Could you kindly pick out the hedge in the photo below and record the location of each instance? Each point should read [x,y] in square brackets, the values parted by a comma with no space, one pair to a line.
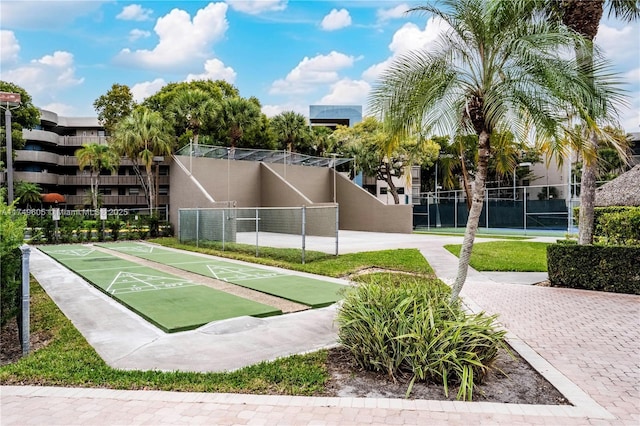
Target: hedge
[617,225]
[10,284]
[604,268]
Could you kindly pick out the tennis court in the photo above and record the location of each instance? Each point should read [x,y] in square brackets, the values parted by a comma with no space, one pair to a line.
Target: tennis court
[307,291]
[170,302]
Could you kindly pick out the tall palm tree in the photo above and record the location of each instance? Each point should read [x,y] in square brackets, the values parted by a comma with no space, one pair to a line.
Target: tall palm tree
[97,158]
[291,129]
[142,136]
[495,69]
[237,114]
[584,18]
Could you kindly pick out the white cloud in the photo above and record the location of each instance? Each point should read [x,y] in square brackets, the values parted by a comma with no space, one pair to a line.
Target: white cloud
[255,7]
[59,108]
[273,110]
[395,12]
[45,14]
[336,19]
[215,70]
[143,90]
[621,45]
[135,12]
[182,41]
[136,33]
[44,77]
[408,37]
[347,92]
[321,69]
[9,47]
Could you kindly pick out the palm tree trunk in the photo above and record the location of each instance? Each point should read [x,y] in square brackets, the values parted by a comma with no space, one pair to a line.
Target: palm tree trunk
[586,220]
[94,197]
[151,190]
[474,215]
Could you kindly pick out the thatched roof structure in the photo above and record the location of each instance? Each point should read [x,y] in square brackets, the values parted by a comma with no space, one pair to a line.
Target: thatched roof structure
[622,191]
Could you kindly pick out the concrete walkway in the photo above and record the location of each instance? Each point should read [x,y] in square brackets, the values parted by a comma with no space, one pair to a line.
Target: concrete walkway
[586,343]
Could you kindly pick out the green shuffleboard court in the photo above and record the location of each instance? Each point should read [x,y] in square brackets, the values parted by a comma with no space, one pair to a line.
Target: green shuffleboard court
[307,291]
[170,302]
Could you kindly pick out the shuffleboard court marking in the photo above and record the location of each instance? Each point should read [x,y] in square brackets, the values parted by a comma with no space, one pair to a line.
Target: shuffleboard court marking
[73,252]
[227,274]
[135,249]
[130,282]
[117,268]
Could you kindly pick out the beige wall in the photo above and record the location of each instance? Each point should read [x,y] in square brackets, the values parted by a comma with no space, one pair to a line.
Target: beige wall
[257,184]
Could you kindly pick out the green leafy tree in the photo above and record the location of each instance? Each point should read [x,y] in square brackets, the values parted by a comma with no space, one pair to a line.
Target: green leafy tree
[114,105]
[140,137]
[25,116]
[192,110]
[235,116]
[97,158]
[496,68]
[368,142]
[584,18]
[291,130]
[27,193]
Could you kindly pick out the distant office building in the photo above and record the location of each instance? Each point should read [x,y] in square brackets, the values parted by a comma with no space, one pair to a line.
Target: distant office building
[332,115]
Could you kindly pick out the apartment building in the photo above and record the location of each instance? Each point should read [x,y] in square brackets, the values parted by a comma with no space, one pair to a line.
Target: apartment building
[48,159]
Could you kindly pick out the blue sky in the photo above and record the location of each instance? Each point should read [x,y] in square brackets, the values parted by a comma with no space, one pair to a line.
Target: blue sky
[288,54]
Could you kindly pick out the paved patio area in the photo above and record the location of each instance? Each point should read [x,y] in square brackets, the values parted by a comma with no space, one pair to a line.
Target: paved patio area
[586,343]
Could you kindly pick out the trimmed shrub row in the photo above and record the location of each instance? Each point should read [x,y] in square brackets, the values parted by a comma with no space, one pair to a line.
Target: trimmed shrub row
[591,267]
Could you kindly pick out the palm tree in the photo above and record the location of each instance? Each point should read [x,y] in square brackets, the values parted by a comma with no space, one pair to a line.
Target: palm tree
[496,68]
[291,129]
[27,192]
[237,114]
[584,17]
[97,158]
[142,136]
[192,110]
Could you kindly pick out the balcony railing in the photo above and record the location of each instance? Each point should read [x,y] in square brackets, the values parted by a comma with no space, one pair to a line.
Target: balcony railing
[36,156]
[43,178]
[115,200]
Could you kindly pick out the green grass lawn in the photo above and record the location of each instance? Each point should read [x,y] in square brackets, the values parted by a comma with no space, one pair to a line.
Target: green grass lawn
[69,360]
[405,260]
[518,256]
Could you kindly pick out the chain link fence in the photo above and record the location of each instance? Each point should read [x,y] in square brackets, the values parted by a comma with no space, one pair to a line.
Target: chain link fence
[305,228]
[526,208]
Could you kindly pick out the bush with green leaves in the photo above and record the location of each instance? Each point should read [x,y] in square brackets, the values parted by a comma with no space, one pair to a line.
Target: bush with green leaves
[618,225]
[402,325]
[12,227]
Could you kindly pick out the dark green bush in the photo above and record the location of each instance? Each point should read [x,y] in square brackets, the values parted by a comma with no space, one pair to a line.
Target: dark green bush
[617,225]
[591,267]
[407,326]
[10,280]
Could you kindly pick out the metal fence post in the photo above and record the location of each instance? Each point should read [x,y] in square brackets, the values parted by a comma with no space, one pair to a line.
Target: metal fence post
[25,316]
[524,208]
[337,226]
[304,231]
[257,231]
[197,227]
[486,211]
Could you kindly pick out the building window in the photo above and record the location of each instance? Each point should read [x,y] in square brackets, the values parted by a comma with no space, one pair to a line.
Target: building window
[163,190]
[383,190]
[134,191]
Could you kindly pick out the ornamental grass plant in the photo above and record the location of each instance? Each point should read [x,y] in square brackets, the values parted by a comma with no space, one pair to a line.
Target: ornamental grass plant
[407,327]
